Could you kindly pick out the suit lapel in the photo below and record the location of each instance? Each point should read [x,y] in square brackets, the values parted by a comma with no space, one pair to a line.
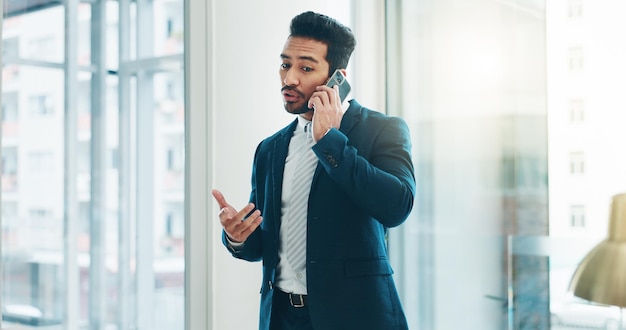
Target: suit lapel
[281,148]
[351,117]
[279,155]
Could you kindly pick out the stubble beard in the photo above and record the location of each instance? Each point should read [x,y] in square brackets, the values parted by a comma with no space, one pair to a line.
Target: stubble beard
[291,106]
[299,110]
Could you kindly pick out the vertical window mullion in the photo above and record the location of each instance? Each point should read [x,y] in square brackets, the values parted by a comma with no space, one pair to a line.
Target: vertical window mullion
[71,223]
[98,248]
[125,170]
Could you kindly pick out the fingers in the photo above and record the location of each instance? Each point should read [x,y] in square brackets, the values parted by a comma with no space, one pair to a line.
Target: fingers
[336,95]
[328,111]
[238,225]
[324,96]
[240,230]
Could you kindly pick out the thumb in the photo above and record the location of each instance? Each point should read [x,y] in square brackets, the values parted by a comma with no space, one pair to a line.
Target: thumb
[219,198]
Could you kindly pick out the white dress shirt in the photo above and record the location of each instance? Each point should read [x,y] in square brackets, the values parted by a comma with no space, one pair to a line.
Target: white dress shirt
[288,280]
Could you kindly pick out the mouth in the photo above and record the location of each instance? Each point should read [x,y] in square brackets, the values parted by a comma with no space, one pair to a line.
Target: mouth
[291,95]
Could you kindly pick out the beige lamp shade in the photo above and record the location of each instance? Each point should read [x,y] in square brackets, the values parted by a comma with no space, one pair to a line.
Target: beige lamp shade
[601,275]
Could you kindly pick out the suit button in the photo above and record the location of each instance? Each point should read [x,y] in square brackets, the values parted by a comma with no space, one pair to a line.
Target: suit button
[313,261]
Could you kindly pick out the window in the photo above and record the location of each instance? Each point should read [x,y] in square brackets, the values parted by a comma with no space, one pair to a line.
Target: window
[42,48]
[114,159]
[10,48]
[575,8]
[174,158]
[481,173]
[9,169]
[474,159]
[9,107]
[84,208]
[83,157]
[81,233]
[39,161]
[577,216]
[576,59]
[170,159]
[41,219]
[37,215]
[9,217]
[41,105]
[577,111]
[577,162]
[9,161]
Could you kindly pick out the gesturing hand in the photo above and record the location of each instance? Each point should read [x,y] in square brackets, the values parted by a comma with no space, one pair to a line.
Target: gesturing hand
[236,225]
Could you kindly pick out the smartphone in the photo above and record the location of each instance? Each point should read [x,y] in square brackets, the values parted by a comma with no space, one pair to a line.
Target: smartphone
[338,78]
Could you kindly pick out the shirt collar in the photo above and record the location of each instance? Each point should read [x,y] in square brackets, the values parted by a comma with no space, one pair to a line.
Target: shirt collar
[302,122]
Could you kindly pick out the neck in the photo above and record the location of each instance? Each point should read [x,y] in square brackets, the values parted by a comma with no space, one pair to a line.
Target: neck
[307,115]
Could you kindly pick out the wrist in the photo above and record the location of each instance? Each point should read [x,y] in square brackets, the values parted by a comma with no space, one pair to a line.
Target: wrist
[231,240]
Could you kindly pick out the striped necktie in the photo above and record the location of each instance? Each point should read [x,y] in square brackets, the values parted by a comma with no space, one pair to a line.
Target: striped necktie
[296,217]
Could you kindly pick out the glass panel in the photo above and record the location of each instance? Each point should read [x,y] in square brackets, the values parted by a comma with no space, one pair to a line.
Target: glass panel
[169,228]
[586,73]
[168,27]
[32,194]
[126,248]
[159,24]
[517,115]
[39,34]
[470,80]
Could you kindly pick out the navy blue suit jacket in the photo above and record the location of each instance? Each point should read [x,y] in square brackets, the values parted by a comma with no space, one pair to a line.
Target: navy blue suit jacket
[364,183]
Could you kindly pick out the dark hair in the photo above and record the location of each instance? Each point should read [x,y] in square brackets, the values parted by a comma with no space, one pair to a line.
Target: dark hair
[336,36]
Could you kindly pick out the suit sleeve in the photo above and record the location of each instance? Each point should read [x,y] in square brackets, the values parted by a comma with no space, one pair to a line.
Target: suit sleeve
[383,184]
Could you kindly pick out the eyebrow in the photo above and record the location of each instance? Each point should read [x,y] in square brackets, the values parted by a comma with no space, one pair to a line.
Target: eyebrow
[305,58]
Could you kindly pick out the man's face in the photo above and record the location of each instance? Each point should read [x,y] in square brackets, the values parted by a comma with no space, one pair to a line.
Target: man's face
[303,68]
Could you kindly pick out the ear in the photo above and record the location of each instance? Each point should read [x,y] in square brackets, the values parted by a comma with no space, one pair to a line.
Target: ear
[345,72]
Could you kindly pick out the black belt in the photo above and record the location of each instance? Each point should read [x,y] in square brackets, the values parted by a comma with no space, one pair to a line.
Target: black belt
[296,300]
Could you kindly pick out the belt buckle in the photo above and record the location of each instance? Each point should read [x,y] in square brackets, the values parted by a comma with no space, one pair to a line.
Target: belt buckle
[297,304]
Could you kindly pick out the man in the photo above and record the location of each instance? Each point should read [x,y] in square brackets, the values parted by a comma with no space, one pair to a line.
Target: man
[325,263]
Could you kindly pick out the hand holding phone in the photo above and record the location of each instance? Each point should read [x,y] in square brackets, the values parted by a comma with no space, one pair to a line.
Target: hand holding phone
[329,116]
[338,78]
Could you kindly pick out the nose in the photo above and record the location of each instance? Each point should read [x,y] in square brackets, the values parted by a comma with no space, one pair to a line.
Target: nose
[290,78]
